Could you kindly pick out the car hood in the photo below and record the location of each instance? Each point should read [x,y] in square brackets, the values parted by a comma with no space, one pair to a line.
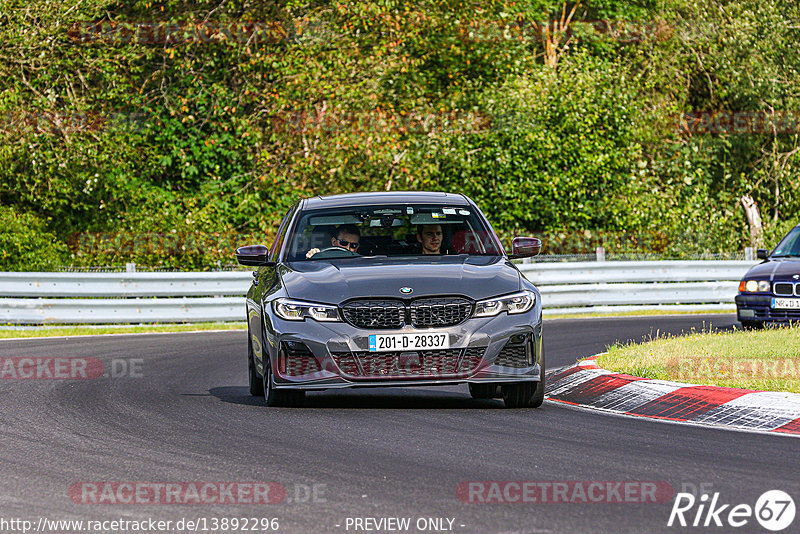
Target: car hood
[333,281]
[775,269]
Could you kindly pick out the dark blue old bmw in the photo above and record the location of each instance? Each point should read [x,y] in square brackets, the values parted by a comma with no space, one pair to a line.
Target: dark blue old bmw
[770,291]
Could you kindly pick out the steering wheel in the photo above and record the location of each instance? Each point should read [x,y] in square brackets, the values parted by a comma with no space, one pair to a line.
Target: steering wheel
[330,250]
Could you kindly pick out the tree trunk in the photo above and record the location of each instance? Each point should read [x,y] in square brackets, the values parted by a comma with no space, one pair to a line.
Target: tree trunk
[754,221]
[554,32]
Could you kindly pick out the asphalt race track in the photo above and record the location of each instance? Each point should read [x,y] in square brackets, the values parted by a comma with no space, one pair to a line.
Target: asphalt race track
[368,453]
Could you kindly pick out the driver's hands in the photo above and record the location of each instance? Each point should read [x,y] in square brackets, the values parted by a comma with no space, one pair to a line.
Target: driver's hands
[311,252]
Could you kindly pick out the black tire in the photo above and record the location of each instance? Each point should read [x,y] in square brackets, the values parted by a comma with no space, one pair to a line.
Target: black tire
[538,397]
[525,394]
[484,391]
[280,397]
[255,381]
[752,325]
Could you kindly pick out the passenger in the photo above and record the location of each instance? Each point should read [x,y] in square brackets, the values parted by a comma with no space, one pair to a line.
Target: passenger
[430,236]
[347,237]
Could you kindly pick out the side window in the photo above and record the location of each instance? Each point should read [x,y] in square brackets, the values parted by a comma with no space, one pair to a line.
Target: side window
[282,229]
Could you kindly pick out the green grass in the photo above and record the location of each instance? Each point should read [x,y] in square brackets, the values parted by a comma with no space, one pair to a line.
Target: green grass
[84,330]
[767,360]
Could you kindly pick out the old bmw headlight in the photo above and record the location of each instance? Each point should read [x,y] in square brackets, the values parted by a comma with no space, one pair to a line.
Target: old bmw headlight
[296,310]
[754,286]
[516,303]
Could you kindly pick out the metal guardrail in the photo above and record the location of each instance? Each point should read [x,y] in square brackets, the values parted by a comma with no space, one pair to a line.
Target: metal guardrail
[136,284]
[117,311]
[594,272]
[146,297]
[608,286]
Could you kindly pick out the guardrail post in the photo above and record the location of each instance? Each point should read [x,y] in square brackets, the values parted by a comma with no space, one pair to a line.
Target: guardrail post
[130,267]
[748,253]
[600,252]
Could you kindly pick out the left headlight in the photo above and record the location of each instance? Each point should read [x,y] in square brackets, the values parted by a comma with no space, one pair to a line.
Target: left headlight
[513,304]
[754,286]
[297,310]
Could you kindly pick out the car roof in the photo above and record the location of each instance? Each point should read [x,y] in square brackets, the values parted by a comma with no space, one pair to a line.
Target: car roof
[385,197]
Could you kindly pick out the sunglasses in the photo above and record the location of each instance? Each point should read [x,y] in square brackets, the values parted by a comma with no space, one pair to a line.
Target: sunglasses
[348,244]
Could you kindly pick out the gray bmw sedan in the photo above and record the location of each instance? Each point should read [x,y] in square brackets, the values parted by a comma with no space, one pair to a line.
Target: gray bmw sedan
[392,289]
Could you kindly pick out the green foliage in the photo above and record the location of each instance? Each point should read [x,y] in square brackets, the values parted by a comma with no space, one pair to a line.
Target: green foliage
[25,244]
[774,232]
[559,153]
[130,147]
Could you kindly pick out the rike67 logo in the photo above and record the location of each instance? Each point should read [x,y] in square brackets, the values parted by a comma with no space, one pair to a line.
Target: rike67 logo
[774,510]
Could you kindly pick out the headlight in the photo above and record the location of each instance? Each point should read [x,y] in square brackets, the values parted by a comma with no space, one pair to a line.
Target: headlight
[295,310]
[754,286]
[516,303]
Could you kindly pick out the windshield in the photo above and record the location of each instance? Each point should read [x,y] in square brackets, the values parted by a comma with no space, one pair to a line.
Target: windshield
[396,230]
[789,245]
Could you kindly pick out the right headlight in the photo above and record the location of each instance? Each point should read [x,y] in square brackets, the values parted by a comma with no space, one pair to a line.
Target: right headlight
[296,310]
[512,304]
[754,286]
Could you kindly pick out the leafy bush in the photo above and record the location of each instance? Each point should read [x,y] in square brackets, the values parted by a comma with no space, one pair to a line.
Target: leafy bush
[111,140]
[26,245]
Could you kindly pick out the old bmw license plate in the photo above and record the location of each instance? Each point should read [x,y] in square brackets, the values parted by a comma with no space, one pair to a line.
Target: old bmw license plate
[786,303]
[391,342]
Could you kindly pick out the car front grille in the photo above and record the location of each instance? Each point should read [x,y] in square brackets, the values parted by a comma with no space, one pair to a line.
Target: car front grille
[347,364]
[301,365]
[471,360]
[786,289]
[297,360]
[776,315]
[375,313]
[422,312]
[783,315]
[513,356]
[411,364]
[439,311]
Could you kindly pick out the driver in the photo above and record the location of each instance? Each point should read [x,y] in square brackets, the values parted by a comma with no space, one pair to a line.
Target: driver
[347,237]
[430,236]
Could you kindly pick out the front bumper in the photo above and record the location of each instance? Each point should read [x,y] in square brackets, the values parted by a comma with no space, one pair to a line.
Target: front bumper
[337,354]
[758,308]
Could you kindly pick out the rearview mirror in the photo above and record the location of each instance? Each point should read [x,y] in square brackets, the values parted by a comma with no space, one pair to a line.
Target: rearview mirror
[525,247]
[253,255]
[762,254]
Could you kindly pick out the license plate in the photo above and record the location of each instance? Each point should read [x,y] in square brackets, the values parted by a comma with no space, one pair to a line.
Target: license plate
[786,303]
[393,342]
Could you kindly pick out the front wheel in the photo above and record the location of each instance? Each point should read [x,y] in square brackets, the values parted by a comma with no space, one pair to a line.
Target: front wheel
[280,397]
[526,394]
[255,381]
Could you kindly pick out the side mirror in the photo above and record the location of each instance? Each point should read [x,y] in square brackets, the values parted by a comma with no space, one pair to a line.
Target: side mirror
[253,255]
[762,254]
[525,247]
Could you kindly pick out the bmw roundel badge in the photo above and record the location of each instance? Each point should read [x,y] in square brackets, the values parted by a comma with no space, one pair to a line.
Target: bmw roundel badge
[406,290]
